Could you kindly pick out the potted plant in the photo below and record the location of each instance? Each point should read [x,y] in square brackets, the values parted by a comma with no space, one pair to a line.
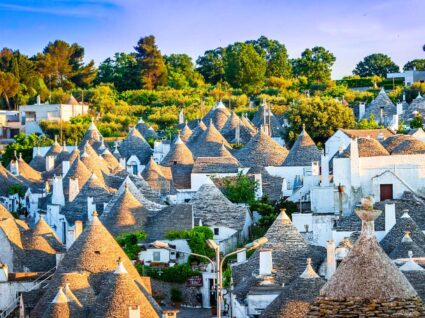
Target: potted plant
[176,297]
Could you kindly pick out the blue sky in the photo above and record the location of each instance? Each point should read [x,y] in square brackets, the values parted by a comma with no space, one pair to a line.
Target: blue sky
[350,29]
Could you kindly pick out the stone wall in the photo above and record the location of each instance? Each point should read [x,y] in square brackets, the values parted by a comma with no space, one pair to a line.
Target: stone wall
[163,290]
[325,307]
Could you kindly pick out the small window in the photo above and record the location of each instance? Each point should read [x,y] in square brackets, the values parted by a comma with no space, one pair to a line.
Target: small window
[156,256]
[216,231]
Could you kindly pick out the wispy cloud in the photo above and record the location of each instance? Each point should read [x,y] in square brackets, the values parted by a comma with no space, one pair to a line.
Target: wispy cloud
[81,8]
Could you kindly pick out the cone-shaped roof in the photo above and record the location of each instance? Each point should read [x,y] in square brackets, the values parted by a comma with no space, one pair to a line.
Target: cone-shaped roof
[208,144]
[367,272]
[7,180]
[233,123]
[263,151]
[394,237]
[218,115]
[27,172]
[71,100]
[261,118]
[93,162]
[38,162]
[42,228]
[120,294]
[197,132]
[155,175]
[126,215]
[135,144]
[185,133]
[392,142]
[303,152]
[401,251]
[382,101]
[178,154]
[54,149]
[78,170]
[295,299]
[59,307]
[92,135]
[110,160]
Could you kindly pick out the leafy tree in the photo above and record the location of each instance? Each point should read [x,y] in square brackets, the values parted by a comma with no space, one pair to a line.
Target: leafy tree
[240,189]
[181,72]
[24,144]
[61,65]
[419,64]
[315,64]
[245,68]
[276,56]
[376,64]
[321,116]
[211,65]
[129,243]
[151,64]
[368,124]
[9,87]
[121,70]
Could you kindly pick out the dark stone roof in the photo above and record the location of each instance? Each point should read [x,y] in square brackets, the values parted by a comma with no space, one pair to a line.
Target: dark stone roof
[417,280]
[417,105]
[176,218]
[382,101]
[401,251]
[181,176]
[261,118]
[218,115]
[232,124]
[271,185]
[289,253]
[179,154]
[261,150]
[135,144]
[214,209]
[303,152]
[215,165]
[38,163]
[92,136]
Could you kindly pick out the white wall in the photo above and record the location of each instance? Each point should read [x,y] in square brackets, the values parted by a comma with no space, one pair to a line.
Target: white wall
[338,139]
[199,179]
[257,303]
[6,252]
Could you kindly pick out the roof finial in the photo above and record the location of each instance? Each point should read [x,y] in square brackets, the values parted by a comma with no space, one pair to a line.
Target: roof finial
[20,156]
[303,127]
[56,139]
[368,215]
[406,237]
[120,268]
[60,297]
[309,271]
[94,214]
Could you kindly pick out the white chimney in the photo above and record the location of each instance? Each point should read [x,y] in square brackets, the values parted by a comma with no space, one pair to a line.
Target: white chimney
[241,257]
[325,171]
[73,189]
[50,163]
[78,229]
[38,100]
[394,123]
[266,262]
[57,196]
[389,216]
[14,167]
[315,168]
[399,108]
[65,167]
[181,117]
[362,110]
[330,260]
[122,162]
[91,207]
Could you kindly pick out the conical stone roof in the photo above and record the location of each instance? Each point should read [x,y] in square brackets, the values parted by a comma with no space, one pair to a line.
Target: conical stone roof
[401,251]
[197,132]
[178,154]
[218,115]
[27,172]
[303,152]
[92,135]
[261,150]
[185,133]
[126,215]
[110,160]
[135,144]
[155,176]
[77,170]
[229,130]
[382,101]
[54,150]
[59,307]
[209,143]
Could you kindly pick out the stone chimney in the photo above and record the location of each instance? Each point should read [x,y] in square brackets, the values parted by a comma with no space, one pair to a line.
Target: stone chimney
[354,162]
[73,189]
[389,216]
[38,100]
[325,171]
[50,163]
[266,261]
[368,216]
[362,110]
[78,229]
[181,117]
[169,313]
[65,167]
[330,259]
[57,196]
[14,167]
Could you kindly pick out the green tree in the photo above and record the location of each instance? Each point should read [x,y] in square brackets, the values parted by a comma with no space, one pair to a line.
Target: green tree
[130,243]
[211,65]
[61,65]
[240,189]
[151,64]
[181,71]
[9,87]
[276,57]
[419,64]
[368,124]
[121,70]
[245,68]
[375,64]
[24,144]
[315,64]
[322,116]
[416,122]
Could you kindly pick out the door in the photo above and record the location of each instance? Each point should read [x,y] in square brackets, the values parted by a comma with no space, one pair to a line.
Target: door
[386,192]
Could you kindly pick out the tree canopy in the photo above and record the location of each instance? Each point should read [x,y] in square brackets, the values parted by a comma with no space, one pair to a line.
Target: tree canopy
[376,64]
[315,64]
[419,64]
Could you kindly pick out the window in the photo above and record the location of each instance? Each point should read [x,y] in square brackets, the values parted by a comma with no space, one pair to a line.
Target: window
[156,256]
[216,231]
